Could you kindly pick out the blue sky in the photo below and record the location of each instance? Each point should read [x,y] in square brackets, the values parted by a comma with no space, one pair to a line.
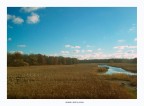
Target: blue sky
[85,33]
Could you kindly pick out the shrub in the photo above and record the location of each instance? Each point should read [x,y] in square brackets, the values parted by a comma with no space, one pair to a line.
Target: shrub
[102,69]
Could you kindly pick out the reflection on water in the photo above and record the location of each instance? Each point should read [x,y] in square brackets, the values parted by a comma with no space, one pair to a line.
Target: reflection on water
[114,70]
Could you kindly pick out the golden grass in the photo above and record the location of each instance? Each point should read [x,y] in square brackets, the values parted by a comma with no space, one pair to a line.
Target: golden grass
[61,82]
[123,77]
[127,81]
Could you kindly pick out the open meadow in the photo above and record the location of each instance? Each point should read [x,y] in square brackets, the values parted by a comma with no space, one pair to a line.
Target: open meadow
[79,81]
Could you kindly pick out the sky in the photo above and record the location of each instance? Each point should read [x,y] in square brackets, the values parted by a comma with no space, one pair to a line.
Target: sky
[81,32]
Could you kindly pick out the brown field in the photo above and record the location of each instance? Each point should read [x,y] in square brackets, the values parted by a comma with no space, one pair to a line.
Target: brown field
[80,81]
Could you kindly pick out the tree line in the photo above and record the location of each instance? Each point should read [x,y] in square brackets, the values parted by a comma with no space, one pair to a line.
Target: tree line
[134,60]
[18,59]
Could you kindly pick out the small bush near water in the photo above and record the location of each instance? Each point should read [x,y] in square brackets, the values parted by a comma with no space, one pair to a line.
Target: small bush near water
[102,69]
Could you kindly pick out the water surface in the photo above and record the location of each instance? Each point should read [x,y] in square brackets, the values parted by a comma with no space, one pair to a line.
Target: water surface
[114,70]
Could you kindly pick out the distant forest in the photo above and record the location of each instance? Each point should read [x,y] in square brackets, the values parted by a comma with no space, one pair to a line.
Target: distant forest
[17,59]
[134,60]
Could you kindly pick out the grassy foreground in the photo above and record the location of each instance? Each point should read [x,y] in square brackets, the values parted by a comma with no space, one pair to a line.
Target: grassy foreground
[79,81]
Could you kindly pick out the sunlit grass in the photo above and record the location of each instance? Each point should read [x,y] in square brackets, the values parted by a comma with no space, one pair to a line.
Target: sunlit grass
[131,78]
[62,82]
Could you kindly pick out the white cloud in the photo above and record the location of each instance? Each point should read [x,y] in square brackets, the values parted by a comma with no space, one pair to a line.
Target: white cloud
[82,51]
[65,52]
[120,47]
[132,28]
[9,17]
[76,51]
[124,47]
[135,39]
[9,39]
[88,46]
[86,51]
[73,47]
[99,49]
[124,55]
[132,47]
[120,41]
[67,46]
[131,51]
[10,26]
[22,46]
[89,51]
[15,19]
[18,20]
[77,47]
[33,19]
[119,51]
[129,54]
[100,55]
[21,52]
[92,56]
[31,9]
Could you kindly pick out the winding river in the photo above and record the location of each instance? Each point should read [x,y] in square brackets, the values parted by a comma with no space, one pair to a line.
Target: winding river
[114,70]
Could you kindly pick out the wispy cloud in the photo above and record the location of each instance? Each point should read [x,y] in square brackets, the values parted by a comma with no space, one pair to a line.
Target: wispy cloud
[18,20]
[119,51]
[9,17]
[131,51]
[132,28]
[67,46]
[86,51]
[76,51]
[128,54]
[33,19]
[120,41]
[16,51]
[83,51]
[77,47]
[135,39]
[31,9]
[89,51]
[21,46]
[15,19]
[132,47]
[99,49]
[124,47]
[10,27]
[70,46]
[9,39]
[65,52]
[124,55]
[89,46]
[120,47]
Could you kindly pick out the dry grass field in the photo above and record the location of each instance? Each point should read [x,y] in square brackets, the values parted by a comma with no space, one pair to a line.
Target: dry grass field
[79,81]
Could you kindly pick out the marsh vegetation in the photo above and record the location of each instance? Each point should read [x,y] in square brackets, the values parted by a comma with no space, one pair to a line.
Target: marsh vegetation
[78,81]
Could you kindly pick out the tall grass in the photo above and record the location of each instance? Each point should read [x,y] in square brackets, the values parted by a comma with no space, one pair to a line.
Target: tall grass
[61,82]
[123,77]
